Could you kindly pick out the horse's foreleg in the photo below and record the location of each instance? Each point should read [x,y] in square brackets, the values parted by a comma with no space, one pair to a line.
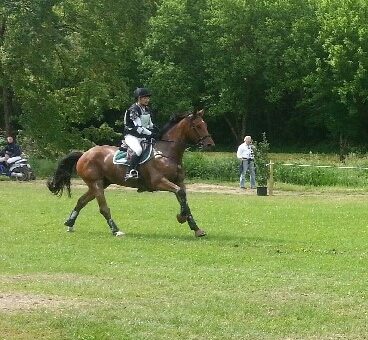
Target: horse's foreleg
[82,202]
[185,213]
[105,210]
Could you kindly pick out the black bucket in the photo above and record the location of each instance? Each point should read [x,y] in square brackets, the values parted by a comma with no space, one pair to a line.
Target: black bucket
[262,191]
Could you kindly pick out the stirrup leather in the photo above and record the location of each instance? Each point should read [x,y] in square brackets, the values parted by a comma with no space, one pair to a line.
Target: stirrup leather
[133,173]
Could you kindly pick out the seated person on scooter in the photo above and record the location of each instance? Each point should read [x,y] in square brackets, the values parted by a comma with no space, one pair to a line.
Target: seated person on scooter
[11,152]
[138,127]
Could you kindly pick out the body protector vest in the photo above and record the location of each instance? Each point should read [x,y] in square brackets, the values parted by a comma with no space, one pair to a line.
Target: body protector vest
[137,121]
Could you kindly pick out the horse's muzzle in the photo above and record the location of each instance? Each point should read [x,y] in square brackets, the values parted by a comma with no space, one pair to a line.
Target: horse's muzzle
[207,144]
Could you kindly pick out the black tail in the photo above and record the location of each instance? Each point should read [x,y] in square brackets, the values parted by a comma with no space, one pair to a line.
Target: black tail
[63,174]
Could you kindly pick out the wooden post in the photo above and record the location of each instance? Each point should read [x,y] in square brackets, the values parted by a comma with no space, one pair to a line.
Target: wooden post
[270,180]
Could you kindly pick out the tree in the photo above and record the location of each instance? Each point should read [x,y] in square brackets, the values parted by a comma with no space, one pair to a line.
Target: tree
[232,61]
[6,99]
[172,59]
[338,86]
[69,62]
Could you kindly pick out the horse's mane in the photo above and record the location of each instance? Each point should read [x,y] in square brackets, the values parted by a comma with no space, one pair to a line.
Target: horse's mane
[174,119]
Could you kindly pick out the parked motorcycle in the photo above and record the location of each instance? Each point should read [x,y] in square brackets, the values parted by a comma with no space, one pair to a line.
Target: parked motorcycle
[19,169]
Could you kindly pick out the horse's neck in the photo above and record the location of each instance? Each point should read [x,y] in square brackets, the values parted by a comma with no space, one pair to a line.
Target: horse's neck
[174,143]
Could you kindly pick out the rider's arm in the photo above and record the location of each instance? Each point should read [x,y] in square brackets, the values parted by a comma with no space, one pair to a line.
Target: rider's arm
[134,124]
[151,125]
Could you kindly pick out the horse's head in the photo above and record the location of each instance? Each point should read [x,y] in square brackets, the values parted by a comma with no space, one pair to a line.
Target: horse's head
[198,132]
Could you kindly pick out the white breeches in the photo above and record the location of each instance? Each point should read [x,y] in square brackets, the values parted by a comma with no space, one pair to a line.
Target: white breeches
[134,143]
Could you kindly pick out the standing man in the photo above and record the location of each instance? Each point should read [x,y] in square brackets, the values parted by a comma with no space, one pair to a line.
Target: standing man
[138,127]
[246,154]
[10,151]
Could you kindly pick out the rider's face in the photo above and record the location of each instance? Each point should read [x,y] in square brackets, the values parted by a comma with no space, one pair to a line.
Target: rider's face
[143,101]
[10,140]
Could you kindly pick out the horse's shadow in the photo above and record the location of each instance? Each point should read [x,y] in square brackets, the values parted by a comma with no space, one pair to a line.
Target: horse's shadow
[212,238]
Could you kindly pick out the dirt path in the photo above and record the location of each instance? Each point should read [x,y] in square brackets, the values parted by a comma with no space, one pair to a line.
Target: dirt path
[228,189]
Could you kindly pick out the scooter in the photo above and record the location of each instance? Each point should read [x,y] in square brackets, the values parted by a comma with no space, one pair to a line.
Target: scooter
[19,169]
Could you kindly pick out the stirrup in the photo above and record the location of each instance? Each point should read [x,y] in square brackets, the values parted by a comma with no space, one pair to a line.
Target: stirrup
[131,174]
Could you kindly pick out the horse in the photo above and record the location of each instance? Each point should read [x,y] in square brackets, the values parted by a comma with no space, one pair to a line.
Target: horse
[163,172]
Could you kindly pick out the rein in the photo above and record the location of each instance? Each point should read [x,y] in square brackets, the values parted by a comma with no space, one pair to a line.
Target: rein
[178,142]
[171,141]
[197,132]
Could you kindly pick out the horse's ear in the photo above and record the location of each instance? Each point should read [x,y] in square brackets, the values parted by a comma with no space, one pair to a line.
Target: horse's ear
[200,113]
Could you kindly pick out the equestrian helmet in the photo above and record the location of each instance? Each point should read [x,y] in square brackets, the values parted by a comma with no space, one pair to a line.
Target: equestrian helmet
[141,92]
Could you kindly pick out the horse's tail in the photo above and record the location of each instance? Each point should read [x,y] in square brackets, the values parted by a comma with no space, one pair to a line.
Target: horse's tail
[63,174]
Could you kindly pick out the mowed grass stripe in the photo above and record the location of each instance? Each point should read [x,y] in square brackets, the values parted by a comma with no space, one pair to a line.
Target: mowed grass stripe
[282,267]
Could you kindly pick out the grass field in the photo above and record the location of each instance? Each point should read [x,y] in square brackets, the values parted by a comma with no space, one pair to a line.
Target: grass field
[283,267]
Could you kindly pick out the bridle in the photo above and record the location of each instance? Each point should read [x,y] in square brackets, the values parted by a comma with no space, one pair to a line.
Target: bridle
[193,126]
[197,131]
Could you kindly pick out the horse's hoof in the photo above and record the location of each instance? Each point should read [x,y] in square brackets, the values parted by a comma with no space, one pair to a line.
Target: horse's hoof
[119,233]
[69,223]
[181,219]
[200,233]
[70,229]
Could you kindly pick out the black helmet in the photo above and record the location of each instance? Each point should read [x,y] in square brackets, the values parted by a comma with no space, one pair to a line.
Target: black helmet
[141,92]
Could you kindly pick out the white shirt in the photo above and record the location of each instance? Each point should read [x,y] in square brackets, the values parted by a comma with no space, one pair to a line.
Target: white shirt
[245,151]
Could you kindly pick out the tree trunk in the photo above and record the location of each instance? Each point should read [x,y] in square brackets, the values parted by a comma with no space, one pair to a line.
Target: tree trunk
[231,126]
[243,126]
[237,126]
[343,148]
[7,110]
[7,98]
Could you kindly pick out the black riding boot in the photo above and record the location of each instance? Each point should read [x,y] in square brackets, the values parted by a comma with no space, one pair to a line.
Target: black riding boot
[131,170]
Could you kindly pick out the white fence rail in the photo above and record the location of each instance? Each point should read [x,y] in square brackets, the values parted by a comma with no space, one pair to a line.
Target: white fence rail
[321,166]
[271,165]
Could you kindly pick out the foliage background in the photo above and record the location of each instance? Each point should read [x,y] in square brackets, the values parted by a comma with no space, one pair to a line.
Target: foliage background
[296,70]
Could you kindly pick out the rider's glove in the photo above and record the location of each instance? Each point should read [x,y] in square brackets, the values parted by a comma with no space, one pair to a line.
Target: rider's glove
[154,134]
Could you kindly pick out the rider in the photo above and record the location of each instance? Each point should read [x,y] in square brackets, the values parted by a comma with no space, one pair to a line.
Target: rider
[10,152]
[138,127]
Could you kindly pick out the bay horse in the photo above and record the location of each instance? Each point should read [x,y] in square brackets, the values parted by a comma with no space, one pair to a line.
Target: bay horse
[164,172]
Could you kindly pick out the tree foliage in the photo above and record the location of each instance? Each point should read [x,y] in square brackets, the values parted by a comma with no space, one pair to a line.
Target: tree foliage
[71,61]
[295,69]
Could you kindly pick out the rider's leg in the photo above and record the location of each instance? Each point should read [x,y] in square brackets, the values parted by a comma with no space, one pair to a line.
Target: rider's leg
[135,144]
[132,169]
[4,159]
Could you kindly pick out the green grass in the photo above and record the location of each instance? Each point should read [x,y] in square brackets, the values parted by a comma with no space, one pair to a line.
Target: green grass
[281,267]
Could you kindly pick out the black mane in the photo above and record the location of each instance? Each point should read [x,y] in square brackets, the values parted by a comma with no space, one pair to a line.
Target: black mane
[174,119]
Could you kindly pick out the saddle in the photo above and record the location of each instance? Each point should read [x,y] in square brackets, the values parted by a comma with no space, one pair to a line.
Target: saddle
[124,154]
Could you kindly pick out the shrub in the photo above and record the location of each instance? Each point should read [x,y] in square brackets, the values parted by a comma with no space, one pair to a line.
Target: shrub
[199,165]
[42,168]
[313,176]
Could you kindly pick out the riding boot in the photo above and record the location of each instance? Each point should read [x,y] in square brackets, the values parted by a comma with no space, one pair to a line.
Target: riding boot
[131,170]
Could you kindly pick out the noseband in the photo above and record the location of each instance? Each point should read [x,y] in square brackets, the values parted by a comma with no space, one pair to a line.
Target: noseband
[197,131]
[200,139]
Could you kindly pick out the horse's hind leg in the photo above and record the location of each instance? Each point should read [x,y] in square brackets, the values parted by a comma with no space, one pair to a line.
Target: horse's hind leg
[82,202]
[185,213]
[105,210]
